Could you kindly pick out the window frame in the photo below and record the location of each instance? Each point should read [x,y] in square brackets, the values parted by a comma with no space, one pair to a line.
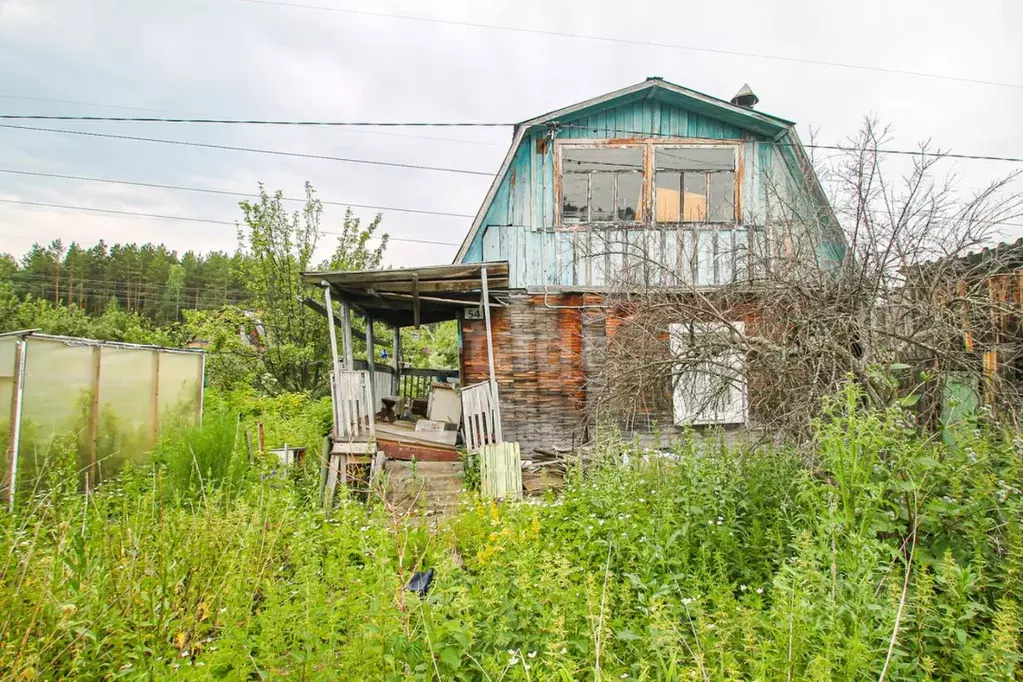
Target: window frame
[596,144]
[683,412]
[648,200]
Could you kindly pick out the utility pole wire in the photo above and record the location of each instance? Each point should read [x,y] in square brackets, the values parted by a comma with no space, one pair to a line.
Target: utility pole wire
[256,121]
[644,43]
[222,192]
[189,219]
[252,150]
[464,171]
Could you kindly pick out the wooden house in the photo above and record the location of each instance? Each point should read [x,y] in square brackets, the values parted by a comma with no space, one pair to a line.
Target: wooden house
[654,186]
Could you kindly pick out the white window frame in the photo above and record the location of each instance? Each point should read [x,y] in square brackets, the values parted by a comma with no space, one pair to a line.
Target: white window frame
[688,407]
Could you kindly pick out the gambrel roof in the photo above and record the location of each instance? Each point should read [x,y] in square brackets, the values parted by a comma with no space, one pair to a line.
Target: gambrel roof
[655,89]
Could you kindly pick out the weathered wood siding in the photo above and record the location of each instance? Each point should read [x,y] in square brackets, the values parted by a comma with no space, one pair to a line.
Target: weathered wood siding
[538,357]
[549,353]
[519,225]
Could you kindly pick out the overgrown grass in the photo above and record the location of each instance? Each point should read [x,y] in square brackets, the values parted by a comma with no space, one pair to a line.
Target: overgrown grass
[713,565]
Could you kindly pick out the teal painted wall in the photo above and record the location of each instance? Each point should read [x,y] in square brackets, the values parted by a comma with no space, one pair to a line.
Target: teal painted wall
[518,226]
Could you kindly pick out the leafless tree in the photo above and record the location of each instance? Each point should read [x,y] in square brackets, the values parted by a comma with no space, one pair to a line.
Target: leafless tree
[895,289]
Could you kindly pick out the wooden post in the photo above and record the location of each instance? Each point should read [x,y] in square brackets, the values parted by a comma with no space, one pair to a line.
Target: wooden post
[396,360]
[370,364]
[324,464]
[154,413]
[14,437]
[490,354]
[90,473]
[346,332]
[335,366]
[260,438]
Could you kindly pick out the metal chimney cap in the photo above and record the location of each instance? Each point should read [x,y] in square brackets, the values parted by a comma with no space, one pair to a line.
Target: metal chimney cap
[745,97]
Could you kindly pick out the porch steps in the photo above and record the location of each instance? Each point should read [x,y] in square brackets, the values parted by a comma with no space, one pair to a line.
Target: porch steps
[433,487]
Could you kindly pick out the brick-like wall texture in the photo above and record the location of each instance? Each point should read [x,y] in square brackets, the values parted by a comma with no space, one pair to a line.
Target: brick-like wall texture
[538,358]
[547,355]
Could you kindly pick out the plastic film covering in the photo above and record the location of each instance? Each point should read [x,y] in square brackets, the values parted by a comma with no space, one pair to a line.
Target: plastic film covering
[95,407]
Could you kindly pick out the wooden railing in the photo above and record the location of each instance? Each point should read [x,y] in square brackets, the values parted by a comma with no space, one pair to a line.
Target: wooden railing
[353,411]
[479,416]
[415,382]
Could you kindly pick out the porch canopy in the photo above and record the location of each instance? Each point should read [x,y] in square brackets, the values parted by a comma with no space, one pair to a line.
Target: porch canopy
[412,296]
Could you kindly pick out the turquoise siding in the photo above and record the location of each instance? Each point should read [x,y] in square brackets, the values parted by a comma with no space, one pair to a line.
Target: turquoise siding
[518,225]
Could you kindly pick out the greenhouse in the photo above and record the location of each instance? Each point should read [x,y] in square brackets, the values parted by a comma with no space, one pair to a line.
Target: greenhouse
[108,402]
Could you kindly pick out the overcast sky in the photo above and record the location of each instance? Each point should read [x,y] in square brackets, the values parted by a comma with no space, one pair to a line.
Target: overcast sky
[242,59]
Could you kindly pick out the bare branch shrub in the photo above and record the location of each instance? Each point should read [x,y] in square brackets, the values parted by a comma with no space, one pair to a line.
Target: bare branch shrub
[892,290]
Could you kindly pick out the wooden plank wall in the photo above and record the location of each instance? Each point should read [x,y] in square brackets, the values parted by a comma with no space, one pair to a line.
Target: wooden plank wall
[548,358]
[538,360]
[519,225]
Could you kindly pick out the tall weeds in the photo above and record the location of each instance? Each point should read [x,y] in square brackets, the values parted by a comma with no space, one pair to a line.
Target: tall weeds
[887,553]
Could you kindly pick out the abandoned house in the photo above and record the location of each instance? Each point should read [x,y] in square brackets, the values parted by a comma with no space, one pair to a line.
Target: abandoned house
[654,186]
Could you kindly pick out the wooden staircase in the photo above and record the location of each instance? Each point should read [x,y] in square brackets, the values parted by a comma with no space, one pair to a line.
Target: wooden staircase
[431,487]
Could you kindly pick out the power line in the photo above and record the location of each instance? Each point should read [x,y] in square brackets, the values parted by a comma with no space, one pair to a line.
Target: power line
[357,127]
[834,147]
[904,152]
[123,281]
[221,192]
[209,221]
[91,104]
[262,122]
[631,41]
[253,150]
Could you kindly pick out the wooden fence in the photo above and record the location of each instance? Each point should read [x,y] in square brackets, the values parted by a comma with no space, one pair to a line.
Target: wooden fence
[479,416]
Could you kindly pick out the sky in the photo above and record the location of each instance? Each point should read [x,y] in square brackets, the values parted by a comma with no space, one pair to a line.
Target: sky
[381,61]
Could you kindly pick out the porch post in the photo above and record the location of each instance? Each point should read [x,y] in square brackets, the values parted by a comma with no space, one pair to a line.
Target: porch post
[396,359]
[330,325]
[371,362]
[490,355]
[346,333]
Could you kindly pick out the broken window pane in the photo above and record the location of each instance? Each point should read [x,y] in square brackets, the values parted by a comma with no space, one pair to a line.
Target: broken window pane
[721,198]
[602,193]
[668,197]
[694,158]
[630,194]
[694,197]
[601,184]
[584,159]
[573,198]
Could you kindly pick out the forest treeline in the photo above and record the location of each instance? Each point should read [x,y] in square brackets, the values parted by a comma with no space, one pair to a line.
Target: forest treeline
[153,295]
[148,279]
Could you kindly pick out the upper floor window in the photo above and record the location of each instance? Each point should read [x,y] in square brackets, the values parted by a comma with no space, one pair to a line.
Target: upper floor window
[601,184]
[608,183]
[694,184]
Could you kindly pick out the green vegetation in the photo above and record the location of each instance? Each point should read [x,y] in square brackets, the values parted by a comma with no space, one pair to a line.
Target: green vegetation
[711,564]
[245,307]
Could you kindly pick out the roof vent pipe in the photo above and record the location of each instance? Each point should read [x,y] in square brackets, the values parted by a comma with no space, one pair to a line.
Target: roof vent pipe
[745,97]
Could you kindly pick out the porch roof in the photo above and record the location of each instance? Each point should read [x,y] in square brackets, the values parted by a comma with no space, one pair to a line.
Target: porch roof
[406,296]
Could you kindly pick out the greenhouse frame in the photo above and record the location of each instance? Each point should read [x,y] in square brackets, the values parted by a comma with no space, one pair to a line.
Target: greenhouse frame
[94,404]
